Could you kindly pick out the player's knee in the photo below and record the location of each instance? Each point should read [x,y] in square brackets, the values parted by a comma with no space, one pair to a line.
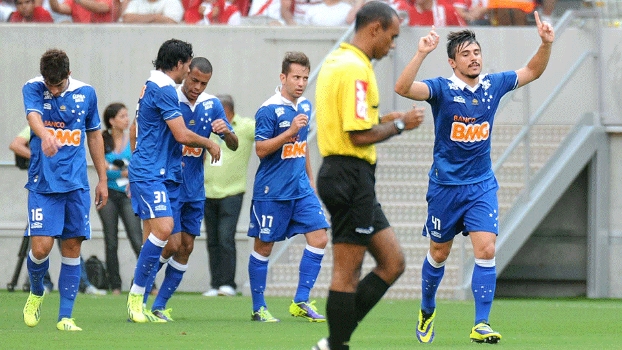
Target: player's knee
[39,253]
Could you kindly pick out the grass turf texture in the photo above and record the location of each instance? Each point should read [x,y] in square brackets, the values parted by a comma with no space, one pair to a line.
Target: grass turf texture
[224,323]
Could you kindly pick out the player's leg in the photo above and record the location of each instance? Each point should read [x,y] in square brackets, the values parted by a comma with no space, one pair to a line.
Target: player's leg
[45,221]
[481,221]
[68,281]
[258,274]
[386,250]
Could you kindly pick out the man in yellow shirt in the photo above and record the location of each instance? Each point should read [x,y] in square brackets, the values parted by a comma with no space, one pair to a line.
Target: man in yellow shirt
[349,126]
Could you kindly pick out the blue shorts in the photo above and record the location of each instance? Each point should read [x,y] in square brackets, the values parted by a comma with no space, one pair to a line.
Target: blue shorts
[155,199]
[64,215]
[274,221]
[460,209]
[190,217]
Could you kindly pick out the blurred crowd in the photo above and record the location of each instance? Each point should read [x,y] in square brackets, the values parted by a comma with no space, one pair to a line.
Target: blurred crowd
[439,13]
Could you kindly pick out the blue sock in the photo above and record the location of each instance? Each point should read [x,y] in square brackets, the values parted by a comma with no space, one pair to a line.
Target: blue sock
[68,283]
[310,265]
[36,271]
[431,276]
[257,273]
[152,277]
[483,284]
[172,279]
[146,262]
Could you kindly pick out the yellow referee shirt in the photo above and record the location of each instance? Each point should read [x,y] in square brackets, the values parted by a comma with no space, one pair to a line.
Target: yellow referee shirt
[346,99]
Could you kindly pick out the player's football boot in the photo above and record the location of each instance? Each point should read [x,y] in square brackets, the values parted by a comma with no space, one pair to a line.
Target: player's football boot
[321,345]
[482,333]
[135,308]
[306,310]
[163,314]
[263,315]
[67,324]
[32,309]
[425,327]
[151,317]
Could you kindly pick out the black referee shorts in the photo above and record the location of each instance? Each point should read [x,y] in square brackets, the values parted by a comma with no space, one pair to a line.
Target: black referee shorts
[346,185]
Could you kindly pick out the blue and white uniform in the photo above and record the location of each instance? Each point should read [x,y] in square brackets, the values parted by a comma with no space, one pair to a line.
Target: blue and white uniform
[284,203]
[155,167]
[462,193]
[198,118]
[58,200]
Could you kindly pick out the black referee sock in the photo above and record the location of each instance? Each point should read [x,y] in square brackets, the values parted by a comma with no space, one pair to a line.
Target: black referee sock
[368,293]
[341,318]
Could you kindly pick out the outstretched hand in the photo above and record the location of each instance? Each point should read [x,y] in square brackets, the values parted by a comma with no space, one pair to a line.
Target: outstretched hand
[429,42]
[545,30]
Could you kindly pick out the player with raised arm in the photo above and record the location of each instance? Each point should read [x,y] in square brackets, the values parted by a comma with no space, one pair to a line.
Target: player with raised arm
[155,167]
[462,192]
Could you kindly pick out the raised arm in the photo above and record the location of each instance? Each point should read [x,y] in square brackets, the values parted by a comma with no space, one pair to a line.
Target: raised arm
[266,147]
[60,8]
[94,5]
[406,85]
[536,66]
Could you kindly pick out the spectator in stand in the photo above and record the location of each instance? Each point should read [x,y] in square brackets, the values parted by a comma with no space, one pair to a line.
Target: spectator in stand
[440,13]
[192,15]
[7,7]
[473,12]
[510,12]
[88,11]
[57,17]
[220,12]
[117,152]
[548,6]
[153,11]
[289,12]
[332,13]
[27,11]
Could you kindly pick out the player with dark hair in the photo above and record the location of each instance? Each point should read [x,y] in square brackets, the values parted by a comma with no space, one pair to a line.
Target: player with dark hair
[61,112]
[462,192]
[155,166]
[204,115]
[349,126]
[284,203]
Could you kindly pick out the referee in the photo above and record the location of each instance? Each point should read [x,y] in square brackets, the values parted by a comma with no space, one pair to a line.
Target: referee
[349,126]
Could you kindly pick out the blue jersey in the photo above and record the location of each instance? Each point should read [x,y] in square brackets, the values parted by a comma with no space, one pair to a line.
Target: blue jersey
[463,120]
[68,117]
[198,118]
[282,175]
[157,155]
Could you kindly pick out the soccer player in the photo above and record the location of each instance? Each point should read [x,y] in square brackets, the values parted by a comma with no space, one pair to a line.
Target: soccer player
[203,114]
[284,202]
[155,167]
[462,192]
[349,126]
[61,112]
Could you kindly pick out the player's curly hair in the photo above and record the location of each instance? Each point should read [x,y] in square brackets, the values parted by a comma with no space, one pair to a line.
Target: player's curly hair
[458,40]
[292,57]
[171,52]
[54,66]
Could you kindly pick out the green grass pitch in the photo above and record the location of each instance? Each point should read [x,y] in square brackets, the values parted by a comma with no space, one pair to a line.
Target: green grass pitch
[224,323]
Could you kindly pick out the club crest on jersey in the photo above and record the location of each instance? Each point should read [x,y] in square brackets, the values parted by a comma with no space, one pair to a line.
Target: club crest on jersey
[459,99]
[360,99]
[208,104]
[47,95]
[485,84]
[279,111]
[77,98]
[294,150]
[192,122]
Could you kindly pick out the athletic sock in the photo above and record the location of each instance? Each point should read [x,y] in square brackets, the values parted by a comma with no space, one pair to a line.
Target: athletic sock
[36,272]
[152,276]
[341,318]
[172,279]
[257,273]
[68,284]
[309,269]
[431,276]
[369,291]
[483,284]
[146,262]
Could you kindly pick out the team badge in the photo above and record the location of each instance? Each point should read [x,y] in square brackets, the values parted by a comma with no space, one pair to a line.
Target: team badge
[63,108]
[475,102]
